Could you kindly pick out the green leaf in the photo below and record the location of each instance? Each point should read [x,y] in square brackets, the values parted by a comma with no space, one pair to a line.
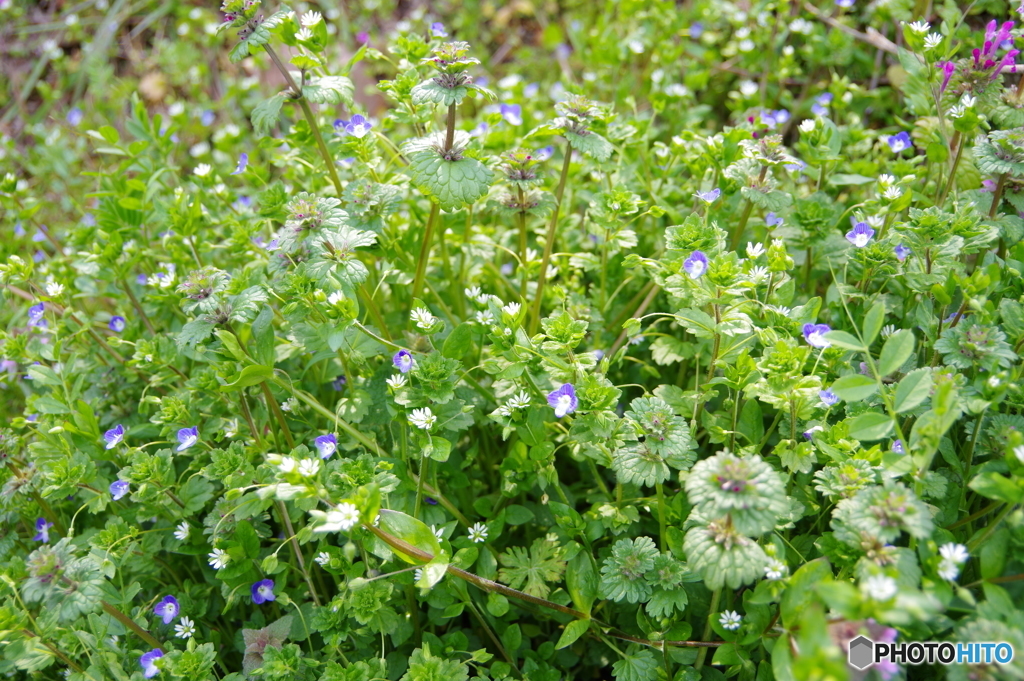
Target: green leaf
[329,90]
[430,92]
[855,387]
[800,591]
[411,531]
[870,426]
[844,179]
[572,632]
[640,666]
[50,405]
[543,563]
[245,304]
[260,35]
[263,335]
[195,331]
[250,375]
[581,581]
[459,342]
[590,144]
[44,374]
[726,655]
[844,340]
[913,389]
[266,113]
[230,343]
[438,448]
[452,184]
[897,350]
[873,321]
[425,667]
[992,485]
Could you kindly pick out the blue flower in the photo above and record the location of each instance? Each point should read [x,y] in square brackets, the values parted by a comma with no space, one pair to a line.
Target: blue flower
[828,398]
[339,383]
[814,334]
[36,315]
[42,530]
[563,400]
[795,167]
[167,609]
[74,117]
[437,30]
[544,153]
[207,118]
[18,229]
[141,280]
[480,130]
[326,445]
[529,91]
[114,436]
[118,489]
[696,264]
[820,106]
[860,235]
[809,433]
[357,127]
[187,437]
[897,447]
[512,113]
[403,361]
[772,220]
[696,30]
[507,269]
[243,161]
[709,196]
[901,252]
[845,4]
[148,663]
[263,591]
[899,142]
[117,324]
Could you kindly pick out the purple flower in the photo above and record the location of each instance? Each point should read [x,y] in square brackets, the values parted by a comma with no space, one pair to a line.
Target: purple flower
[362,37]
[772,220]
[710,196]
[544,153]
[339,383]
[507,269]
[899,142]
[512,113]
[243,161]
[809,433]
[860,235]
[263,591]
[530,90]
[18,229]
[696,30]
[696,265]
[901,252]
[167,609]
[988,186]
[148,663]
[274,245]
[326,445]
[820,106]
[36,315]
[74,117]
[114,436]
[42,530]
[141,280]
[814,334]
[402,361]
[437,30]
[117,324]
[118,489]
[948,69]
[187,437]
[563,400]
[480,130]
[828,398]
[795,167]
[207,118]
[845,4]
[40,234]
[897,446]
[357,127]
[431,500]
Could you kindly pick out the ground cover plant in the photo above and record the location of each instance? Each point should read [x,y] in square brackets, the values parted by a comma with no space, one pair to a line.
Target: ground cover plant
[634,340]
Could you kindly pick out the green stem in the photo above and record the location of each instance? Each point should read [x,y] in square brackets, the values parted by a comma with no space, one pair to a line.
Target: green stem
[997,197]
[661,511]
[715,596]
[549,243]
[278,414]
[952,172]
[421,262]
[419,485]
[324,411]
[131,624]
[294,543]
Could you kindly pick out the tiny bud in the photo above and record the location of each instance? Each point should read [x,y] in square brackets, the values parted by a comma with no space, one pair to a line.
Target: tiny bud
[357,583]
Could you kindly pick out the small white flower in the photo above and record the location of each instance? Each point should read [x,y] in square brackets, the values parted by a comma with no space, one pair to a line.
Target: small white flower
[994,382]
[879,588]
[957,111]
[423,419]
[875,221]
[519,401]
[758,274]
[287,464]
[932,40]
[472,293]
[888,330]
[424,320]
[506,332]
[512,309]
[185,628]
[478,533]
[335,297]
[53,289]
[417,574]
[808,125]
[956,553]
[202,170]
[886,180]
[438,532]
[231,429]
[920,27]
[181,531]
[322,558]
[484,317]
[397,381]
[290,404]
[309,467]
[801,26]
[754,250]
[303,35]
[748,88]
[219,559]
[311,19]
[968,101]
[892,193]
[345,516]
[948,570]
[731,620]
[775,569]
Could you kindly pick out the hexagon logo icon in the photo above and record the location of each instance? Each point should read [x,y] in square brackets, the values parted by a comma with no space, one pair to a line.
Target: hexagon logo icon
[862,652]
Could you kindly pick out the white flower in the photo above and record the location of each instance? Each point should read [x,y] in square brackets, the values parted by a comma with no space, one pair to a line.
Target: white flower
[219,559]
[417,574]
[755,250]
[185,628]
[808,125]
[758,274]
[932,40]
[290,404]
[478,533]
[956,553]
[309,467]
[53,289]
[181,531]
[957,111]
[335,297]
[322,558]
[968,101]
[948,570]
[885,180]
[512,309]
[423,318]
[920,27]
[303,35]
[994,382]
[731,620]
[311,19]
[344,517]
[879,587]
[397,381]
[472,293]
[875,221]
[484,317]
[801,26]
[423,419]
[202,170]
[892,193]
[231,429]
[1019,453]
[438,532]
[519,401]
[775,569]
[287,464]
[748,88]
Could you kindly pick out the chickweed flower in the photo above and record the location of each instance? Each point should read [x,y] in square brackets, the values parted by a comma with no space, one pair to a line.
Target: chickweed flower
[219,559]
[814,334]
[920,27]
[202,170]
[731,620]
[114,436]
[342,517]
[755,250]
[322,558]
[328,444]
[263,591]
[948,570]
[186,628]
[886,180]
[422,317]
[512,309]
[563,400]
[53,289]
[932,40]
[187,437]
[423,419]
[118,489]
[879,588]
[181,531]
[892,193]
[957,553]
[775,569]
[397,381]
[167,609]
[308,468]
[311,19]
[478,533]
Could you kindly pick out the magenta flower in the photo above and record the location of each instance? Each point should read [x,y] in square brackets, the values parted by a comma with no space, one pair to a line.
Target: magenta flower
[948,69]
[167,609]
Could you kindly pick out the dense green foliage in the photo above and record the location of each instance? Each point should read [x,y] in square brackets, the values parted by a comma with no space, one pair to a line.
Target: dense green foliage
[638,340]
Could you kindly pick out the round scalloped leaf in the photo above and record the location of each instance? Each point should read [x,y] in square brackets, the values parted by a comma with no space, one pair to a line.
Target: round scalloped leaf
[329,90]
[429,91]
[453,184]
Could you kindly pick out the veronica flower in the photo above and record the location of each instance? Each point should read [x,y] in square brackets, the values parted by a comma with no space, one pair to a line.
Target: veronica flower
[42,530]
[821,102]
[148,663]
[772,220]
[814,334]
[114,436]
[36,315]
[243,161]
[117,324]
[512,113]
[809,433]
[709,196]
[118,489]
[403,361]
[263,591]
[207,118]
[358,127]
[897,447]
[339,383]
[696,265]
[828,398]
[187,437]
[731,620]
[437,30]
[544,153]
[899,142]
[326,445]
[167,609]
[845,4]
[74,117]
[563,400]
[141,279]
[860,235]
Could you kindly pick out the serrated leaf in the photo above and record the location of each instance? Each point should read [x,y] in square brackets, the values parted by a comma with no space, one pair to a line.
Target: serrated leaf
[452,184]
[430,92]
[870,426]
[590,144]
[195,331]
[246,304]
[897,350]
[640,666]
[266,113]
[913,390]
[855,387]
[329,90]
